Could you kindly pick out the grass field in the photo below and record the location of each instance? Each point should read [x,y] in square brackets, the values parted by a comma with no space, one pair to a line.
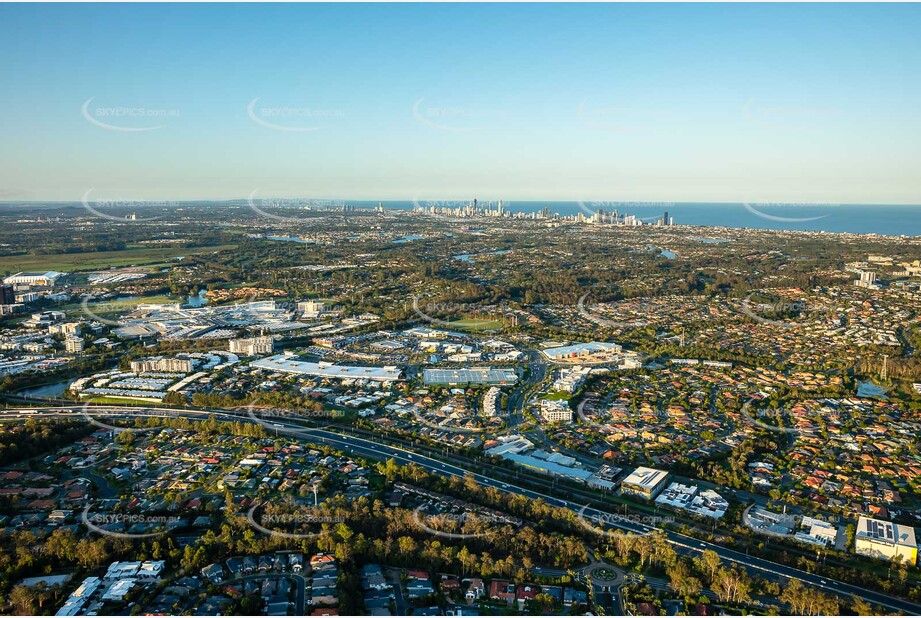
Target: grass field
[118,306]
[113,399]
[557,396]
[70,262]
[474,324]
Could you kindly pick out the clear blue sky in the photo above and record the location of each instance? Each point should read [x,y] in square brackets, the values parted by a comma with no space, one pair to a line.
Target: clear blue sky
[780,102]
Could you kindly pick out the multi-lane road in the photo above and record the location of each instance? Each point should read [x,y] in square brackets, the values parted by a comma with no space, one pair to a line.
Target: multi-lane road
[599,519]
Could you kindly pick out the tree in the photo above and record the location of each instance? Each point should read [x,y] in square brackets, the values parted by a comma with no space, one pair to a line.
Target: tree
[732,585]
[861,607]
[682,579]
[708,563]
[24,600]
[808,602]
[543,602]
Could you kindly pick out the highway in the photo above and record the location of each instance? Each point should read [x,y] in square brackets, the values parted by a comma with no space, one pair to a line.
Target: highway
[374,450]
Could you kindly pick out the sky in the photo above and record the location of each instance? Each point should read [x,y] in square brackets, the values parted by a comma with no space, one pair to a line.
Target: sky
[794,103]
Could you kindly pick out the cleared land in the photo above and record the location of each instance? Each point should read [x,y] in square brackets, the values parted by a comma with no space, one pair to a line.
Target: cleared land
[69,262]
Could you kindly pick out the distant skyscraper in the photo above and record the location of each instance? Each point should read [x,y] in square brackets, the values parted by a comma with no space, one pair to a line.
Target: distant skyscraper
[665,218]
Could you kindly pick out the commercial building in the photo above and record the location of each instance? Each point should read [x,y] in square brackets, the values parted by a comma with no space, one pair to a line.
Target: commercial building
[252,346]
[885,540]
[596,351]
[288,364]
[65,328]
[554,464]
[472,376]
[689,498]
[554,411]
[571,378]
[310,308]
[644,482]
[867,279]
[47,279]
[816,532]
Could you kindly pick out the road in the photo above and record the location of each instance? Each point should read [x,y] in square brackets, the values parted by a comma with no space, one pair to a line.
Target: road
[518,399]
[374,450]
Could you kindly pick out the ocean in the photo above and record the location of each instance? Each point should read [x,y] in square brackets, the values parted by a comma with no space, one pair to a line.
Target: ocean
[889,220]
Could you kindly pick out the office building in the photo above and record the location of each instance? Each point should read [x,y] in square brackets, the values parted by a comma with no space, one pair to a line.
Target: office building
[310,308]
[645,482]
[73,345]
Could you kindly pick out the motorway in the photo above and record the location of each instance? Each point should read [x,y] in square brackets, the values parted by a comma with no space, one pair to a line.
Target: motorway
[374,450]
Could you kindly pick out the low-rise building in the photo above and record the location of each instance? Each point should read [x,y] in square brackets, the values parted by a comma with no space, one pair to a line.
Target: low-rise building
[885,540]
[555,411]
[645,482]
